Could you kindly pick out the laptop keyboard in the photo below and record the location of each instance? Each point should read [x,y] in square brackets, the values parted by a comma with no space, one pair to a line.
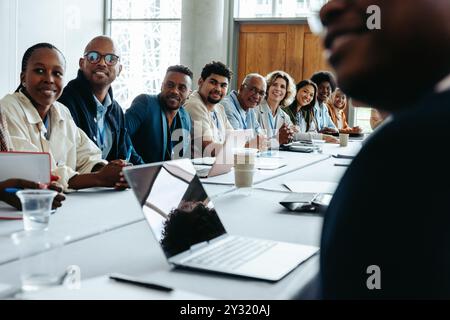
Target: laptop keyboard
[232,254]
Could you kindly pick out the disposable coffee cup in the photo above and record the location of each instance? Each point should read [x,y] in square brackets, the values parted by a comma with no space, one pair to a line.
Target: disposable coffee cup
[243,178]
[244,167]
[245,158]
[343,139]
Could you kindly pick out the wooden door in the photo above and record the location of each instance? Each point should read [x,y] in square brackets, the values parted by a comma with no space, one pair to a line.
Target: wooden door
[267,47]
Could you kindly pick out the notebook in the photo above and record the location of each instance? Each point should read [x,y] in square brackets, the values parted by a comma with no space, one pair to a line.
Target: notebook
[33,166]
[186,225]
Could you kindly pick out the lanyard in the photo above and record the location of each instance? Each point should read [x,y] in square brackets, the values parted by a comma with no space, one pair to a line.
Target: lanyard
[272,121]
[236,105]
[101,133]
[216,119]
[47,126]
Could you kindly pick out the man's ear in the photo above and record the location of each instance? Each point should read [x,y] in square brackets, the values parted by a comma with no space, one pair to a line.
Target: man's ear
[120,70]
[80,63]
[22,79]
[200,81]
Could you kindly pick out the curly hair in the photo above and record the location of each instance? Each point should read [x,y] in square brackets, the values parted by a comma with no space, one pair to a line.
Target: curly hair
[322,76]
[290,86]
[185,228]
[218,68]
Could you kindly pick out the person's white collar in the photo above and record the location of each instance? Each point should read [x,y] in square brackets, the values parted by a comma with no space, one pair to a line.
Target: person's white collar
[443,85]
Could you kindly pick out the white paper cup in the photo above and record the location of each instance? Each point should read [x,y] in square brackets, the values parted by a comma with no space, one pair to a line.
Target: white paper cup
[343,139]
[245,158]
[243,178]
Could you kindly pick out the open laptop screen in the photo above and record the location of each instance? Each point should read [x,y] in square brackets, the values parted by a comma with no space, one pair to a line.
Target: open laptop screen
[175,204]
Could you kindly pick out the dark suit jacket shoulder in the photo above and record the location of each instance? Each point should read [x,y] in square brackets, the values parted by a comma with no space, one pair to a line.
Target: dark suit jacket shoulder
[392,210]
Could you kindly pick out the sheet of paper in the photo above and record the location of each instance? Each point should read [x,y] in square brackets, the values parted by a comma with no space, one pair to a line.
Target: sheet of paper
[269,163]
[103,288]
[311,186]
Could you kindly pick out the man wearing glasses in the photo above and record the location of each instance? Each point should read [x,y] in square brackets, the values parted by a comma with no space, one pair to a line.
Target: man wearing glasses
[90,100]
[239,105]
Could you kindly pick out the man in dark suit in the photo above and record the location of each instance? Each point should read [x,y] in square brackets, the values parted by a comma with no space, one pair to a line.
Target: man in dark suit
[386,233]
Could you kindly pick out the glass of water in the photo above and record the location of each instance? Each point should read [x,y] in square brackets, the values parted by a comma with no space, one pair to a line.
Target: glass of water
[36,208]
[39,258]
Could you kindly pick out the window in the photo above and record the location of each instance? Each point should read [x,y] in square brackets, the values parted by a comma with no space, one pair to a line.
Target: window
[148,34]
[362,118]
[275,8]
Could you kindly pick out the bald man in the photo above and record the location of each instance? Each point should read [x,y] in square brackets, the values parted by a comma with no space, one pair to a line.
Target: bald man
[90,100]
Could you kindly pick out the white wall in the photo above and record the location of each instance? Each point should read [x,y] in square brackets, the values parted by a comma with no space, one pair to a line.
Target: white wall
[67,24]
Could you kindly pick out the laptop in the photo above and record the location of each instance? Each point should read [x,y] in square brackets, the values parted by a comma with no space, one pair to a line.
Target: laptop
[223,162]
[186,225]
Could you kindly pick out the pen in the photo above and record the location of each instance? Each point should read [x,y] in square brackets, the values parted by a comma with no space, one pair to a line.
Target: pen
[342,156]
[341,165]
[11,190]
[137,282]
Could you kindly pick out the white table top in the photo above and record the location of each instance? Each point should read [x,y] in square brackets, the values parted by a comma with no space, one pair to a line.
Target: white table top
[109,234]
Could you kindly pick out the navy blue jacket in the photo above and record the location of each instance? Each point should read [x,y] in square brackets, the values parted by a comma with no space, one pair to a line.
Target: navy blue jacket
[392,210]
[147,125]
[78,97]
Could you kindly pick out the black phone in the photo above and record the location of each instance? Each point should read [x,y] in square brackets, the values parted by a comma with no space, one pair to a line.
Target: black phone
[307,202]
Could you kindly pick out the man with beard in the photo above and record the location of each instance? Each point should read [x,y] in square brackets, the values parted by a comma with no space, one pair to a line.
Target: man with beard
[208,115]
[395,245]
[158,125]
[90,100]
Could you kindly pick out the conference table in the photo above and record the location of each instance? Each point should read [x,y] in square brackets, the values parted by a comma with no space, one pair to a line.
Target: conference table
[105,232]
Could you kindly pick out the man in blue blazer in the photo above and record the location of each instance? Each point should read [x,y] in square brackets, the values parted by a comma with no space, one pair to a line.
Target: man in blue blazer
[386,233]
[158,124]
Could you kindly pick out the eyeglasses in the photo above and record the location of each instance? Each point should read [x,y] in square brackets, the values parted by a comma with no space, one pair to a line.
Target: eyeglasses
[255,90]
[95,57]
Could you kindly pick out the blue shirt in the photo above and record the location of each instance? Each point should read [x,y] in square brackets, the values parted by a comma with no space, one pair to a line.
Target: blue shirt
[323,117]
[238,117]
[104,133]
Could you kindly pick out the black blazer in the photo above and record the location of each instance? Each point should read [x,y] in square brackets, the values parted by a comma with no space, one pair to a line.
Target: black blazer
[78,98]
[392,210]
